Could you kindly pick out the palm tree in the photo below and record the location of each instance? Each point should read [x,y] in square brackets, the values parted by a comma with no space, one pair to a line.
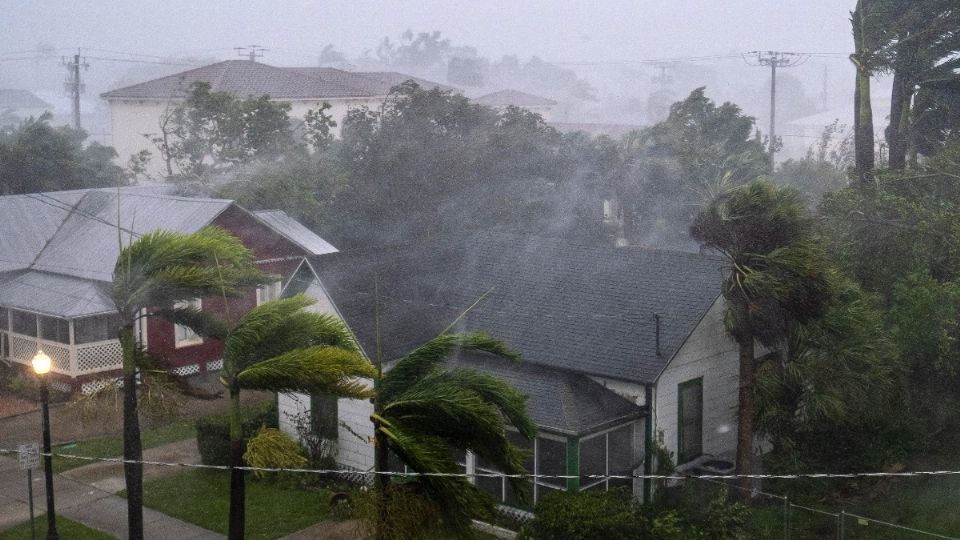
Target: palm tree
[778,274]
[156,272]
[424,413]
[279,347]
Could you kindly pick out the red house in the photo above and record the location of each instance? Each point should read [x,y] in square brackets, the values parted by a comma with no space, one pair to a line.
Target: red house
[57,254]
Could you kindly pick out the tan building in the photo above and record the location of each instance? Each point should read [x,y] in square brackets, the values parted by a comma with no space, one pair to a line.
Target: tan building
[136,111]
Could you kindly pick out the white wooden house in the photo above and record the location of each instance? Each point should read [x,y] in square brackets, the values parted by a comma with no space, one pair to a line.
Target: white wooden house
[621,346]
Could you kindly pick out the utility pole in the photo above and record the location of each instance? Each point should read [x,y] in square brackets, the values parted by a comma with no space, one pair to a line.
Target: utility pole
[774,59]
[252,52]
[74,86]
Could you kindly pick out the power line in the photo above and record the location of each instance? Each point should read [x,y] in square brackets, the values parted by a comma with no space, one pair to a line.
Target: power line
[774,59]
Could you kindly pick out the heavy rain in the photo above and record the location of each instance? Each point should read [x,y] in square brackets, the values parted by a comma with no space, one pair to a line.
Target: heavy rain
[462,269]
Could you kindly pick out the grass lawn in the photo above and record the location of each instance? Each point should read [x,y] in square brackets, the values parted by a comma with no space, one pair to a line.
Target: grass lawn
[69,530]
[201,497]
[113,446]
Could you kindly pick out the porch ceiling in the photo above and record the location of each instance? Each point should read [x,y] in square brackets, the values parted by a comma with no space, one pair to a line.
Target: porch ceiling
[56,295]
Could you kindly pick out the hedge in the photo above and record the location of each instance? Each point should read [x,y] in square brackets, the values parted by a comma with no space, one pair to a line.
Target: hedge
[213,432]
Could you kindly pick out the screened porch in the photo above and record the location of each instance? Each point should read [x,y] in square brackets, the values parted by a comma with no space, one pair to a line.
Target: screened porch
[78,346]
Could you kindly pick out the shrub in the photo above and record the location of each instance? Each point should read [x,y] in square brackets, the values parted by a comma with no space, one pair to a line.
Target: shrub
[273,449]
[612,515]
[213,432]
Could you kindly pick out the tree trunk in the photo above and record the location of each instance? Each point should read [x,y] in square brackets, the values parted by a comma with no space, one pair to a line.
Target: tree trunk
[235,530]
[381,463]
[745,416]
[863,113]
[899,121]
[132,447]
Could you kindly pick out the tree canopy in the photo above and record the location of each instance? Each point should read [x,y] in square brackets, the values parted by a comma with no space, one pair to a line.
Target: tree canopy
[35,157]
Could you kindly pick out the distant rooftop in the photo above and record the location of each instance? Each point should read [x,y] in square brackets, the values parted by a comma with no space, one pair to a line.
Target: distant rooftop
[505,98]
[244,78]
[21,99]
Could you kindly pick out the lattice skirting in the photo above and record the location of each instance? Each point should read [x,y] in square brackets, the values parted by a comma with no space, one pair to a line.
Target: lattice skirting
[190,369]
[90,387]
[100,356]
[215,365]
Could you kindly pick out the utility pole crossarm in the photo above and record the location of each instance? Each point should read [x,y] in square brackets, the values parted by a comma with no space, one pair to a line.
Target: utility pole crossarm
[774,59]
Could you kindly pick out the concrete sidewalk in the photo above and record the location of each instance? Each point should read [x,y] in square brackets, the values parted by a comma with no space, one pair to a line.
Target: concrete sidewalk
[84,503]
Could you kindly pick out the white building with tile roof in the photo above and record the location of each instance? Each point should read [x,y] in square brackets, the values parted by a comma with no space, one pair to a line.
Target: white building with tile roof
[136,111]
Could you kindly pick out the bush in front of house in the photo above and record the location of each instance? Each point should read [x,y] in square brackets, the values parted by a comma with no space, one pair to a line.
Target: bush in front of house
[213,432]
[617,515]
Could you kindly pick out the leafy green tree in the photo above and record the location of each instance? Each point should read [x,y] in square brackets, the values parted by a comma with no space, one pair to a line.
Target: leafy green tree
[830,395]
[677,165]
[280,347]
[778,274]
[424,413]
[434,161]
[156,272]
[921,51]
[213,131]
[35,157]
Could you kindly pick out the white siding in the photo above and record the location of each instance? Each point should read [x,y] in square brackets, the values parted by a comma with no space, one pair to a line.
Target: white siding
[710,353]
[289,406]
[133,122]
[632,391]
[353,451]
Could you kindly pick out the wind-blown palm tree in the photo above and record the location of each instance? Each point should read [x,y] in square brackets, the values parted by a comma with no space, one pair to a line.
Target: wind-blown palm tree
[778,274]
[156,272]
[424,413]
[279,347]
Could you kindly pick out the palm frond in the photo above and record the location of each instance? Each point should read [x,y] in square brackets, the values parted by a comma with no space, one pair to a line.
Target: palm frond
[204,323]
[457,501]
[163,267]
[320,369]
[280,325]
[432,354]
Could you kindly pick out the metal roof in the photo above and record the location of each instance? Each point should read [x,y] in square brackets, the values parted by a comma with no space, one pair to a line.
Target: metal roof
[294,231]
[86,244]
[56,295]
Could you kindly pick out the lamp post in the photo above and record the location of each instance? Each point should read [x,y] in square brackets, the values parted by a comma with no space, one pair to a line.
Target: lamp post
[41,366]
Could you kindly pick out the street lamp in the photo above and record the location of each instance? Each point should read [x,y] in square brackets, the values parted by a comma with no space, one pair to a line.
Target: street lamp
[41,366]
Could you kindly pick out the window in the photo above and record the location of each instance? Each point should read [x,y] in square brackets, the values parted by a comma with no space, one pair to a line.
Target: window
[690,420]
[270,291]
[609,453]
[184,336]
[4,318]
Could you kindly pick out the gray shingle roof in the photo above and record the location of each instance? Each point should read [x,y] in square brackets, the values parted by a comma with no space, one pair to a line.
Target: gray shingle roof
[558,401]
[244,78]
[294,231]
[586,309]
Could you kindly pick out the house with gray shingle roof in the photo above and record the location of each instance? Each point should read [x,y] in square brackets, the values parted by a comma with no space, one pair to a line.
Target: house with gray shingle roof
[57,255]
[515,98]
[136,111]
[622,348]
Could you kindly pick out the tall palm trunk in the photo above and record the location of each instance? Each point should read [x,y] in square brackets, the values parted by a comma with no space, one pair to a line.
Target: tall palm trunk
[237,480]
[381,459]
[745,415]
[899,120]
[863,112]
[132,447]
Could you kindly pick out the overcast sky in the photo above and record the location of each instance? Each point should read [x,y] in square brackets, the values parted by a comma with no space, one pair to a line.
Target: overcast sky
[604,30]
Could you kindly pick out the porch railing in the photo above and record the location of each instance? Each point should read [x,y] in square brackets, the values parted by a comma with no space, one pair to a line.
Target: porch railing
[72,360]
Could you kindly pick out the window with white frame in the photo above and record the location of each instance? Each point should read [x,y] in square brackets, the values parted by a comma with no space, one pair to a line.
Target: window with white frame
[184,336]
[268,291]
[546,455]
